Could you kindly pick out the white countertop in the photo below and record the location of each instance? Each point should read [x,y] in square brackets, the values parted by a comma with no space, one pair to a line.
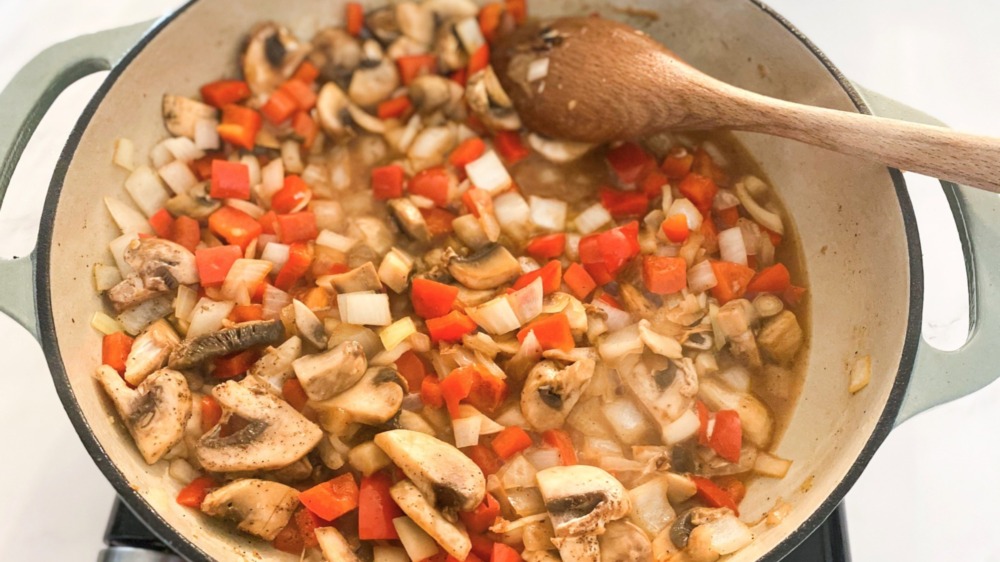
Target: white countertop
[931,491]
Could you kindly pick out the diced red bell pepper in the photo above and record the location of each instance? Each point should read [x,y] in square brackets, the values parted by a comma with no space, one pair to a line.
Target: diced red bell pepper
[676,228]
[234,365]
[432,183]
[333,498]
[279,107]
[502,552]
[300,257]
[519,10]
[550,274]
[289,539]
[307,523]
[728,217]
[355,18]
[432,299]
[560,441]
[387,182]
[376,508]
[162,223]
[580,282]
[211,413]
[606,253]
[461,76]
[294,394]
[478,202]
[297,227]
[224,92]
[468,151]
[712,495]
[488,392]
[268,222]
[230,180]
[412,368]
[450,328]
[792,295]
[301,93]
[677,164]
[395,107]
[234,226]
[194,493]
[727,435]
[510,147]
[699,190]
[479,59]
[439,221]
[774,279]
[306,128]
[664,275]
[412,66]
[115,349]
[546,247]
[732,278]
[489,20]
[430,392]
[704,165]
[511,441]
[733,486]
[483,516]
[653,183]
[622,204]
[306,72]
[293,196]
[456,387]
[552,332]
[239,126]
[703,416]
[214,263]
[630,162]
[187,232]
[484,457]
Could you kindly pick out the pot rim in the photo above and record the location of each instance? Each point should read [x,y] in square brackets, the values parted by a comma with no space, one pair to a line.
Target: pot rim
[183,546]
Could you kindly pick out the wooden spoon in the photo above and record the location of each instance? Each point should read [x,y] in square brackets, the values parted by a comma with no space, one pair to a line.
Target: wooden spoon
[607,81]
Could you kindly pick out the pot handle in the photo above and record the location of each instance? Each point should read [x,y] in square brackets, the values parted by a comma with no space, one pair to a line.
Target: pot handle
[23,103]
[942,376]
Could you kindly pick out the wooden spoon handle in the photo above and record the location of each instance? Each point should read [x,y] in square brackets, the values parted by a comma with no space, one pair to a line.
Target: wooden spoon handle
[968,159]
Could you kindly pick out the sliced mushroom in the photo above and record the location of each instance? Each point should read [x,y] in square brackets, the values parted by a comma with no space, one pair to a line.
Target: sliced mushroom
[374,400]
[581,499]
[325,375]
[383,25]
[309,325]
[365,121]
[334,546]
[489,102]
[367,337]
[488,268]
[451,55]
[755,417]
[470,232]
[296,472]
[155,412]
[181,114]
[451,8]
[195,351]
[130,292]
[271,57]
[259,507]
[276,435]
[375,80]
[735,320]
[150,351]
[363,278]
[551,391]
[331,106]
[659,343]
[454,539]
[442,473]
[410,219]
[624,542]
[196,203]
[415,21]
[781,337]
[430,93]
[583,548]
[664,393]
[405,47]
[161,264]
[275,366]
[336,54]
[558,151]
[431,146]
[706,534]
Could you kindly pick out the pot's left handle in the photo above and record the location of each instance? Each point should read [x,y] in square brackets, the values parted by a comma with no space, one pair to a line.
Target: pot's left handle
[23,103]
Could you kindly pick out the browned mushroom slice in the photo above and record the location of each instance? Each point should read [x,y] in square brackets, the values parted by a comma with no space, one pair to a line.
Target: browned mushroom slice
[180,114]
[259,507]
[735,319]
[336,54]
[410,220]
[374,400]
[150,351]
[195,351]
[196,203]
[382,23]
[551,391]
[161,264]
[364,278]
[488,268]
[781,337]
[272,55]
[376,79]
[581,499]
[325,375]
[276,435]
[624,542]
[453,538]
[442,473]
[155,412]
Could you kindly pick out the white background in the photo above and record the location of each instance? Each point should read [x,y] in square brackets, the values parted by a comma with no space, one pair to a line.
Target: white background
[929,494]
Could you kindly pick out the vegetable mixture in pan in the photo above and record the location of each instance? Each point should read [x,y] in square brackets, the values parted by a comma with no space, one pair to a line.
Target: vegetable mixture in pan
[363,315]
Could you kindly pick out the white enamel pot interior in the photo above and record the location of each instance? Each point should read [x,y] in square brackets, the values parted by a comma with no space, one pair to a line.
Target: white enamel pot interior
[856,226]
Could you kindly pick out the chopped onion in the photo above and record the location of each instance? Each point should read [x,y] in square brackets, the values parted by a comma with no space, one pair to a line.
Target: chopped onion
[751,235]
[861,374]
[770,465]
[725,199]
[466,431]
[548,214]
[105,277]
[124,155]
[727,534]
[592,219]
[736,377]
[335,241]
[420,342]
[409,133]
[314,174]
[489,173]
[731,246]
[513,214]
[182,471]
[538,69]
[135,319]
[659,343]
[275,253]
[397,332]
[518,473]
[543,457]
[617,318]
[496,316]
[418,544]
[526,502]
[160,156]
[104,323]
[626,420]
[389,554]
[394,271]
[329,214]
[144,186]
[718,335]
[651,510]
[128,219]
[183,149]
[528,264]
[364,309]
[274,301]
[178,176]
[272,178]
[117,247]
[767,219]
[291,156]
[470,35]
[246,206]
[572,246]
[245,274]
[185,302]
[206,134]
[208,315]
[527,302]
[681,429]
[685,207]
[386,357]
[486,425]
[701,277]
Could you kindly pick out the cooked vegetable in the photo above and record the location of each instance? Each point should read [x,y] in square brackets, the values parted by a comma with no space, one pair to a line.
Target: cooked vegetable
[258,507]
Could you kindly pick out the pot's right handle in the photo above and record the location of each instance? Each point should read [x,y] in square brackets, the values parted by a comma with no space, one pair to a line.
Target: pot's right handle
[23,103]
[942,376]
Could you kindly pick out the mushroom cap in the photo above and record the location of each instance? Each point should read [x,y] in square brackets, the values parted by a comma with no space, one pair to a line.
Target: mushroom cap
[454,539]
[155,412]
[260,507]
[488,268]
[551,392]
[623,542]
[442,473]
[161,264]
[581,499]
[272,54]
[374,400]
[197,350]
[150,351]
[276,436]
[325,375]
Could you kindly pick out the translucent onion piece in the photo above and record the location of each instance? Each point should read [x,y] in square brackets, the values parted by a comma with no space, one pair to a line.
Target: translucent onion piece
[105,324]
[418,544]
[364,309]
[128,219]
[489,173]
[685,207]
[770,465]
[335,241]
[732,247]
[275,253]
[548,214]
[124,154]
[496,316]
[245,274]
[767,219]
[397,332]
[208,315]
[185,302]
[466,431]
[592,219]
[274,301]
[144,186]
[105,277]
[178,176]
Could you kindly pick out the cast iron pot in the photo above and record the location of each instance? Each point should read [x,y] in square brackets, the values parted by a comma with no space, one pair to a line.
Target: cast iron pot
[857,228]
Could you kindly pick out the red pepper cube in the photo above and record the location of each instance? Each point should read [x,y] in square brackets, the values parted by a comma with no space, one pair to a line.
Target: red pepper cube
[387,182]
[297,227]
[230,180]
[234,226]
[214,263]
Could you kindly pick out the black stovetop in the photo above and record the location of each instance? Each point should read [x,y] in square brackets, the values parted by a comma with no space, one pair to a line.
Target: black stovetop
[827,544]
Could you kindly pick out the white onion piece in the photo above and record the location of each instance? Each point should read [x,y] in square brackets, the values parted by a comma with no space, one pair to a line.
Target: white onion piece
[208,315]
[206,134]
[389,554]
[626,420]
[394,271]
[105,277]
[727,534]
[396,333]
[274,301]
[770,465]
[159,156]
[725,199]
[124,154]
[543,457]
[616,317]
[513,214]
[528,264]
[489,173]
[572,250]
[466,431]
[518,473]
[685,207]
[409,133]
[417,543]
[592,219]
[736,377]
[486,425]
[128,219]
[105,324]
[246,274]
[682,428]
[144,186]
[364,309]
[246,206]
[527,302]
[767,219]
[513,416]
[178,176]
[117,247]
[732,247]
[182,471]
[548,214]
[496,316]
[183,149]
[701,277]
[291,157]
[185,302]
[385,358]
[314,174]
[275,253]
[470,35]
[272,177]
[335,241]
